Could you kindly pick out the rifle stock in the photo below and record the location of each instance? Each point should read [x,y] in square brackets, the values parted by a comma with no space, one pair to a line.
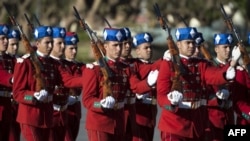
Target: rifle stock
[99,51]
[29,49]
[178,67]
[230,25]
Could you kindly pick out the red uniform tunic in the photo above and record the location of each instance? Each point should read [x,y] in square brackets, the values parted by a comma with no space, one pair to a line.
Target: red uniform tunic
[37,116]
[73,111]
[187,119]
[6,69]
[60,99]
[241,96]
[108,121]
[129,108]
[146,109]
[220,112]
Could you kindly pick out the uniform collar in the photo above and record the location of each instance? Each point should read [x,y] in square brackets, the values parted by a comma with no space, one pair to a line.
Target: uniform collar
[40,54]
[183,56]
[54,57]
[221,62]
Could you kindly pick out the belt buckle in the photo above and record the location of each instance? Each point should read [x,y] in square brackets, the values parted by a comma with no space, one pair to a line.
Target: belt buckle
[154,102]
[115,106]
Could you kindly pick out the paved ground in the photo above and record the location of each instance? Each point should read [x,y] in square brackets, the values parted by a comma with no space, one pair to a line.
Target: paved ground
[82,136]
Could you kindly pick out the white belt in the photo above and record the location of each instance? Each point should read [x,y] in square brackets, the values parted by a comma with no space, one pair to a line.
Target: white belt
[119,105]
[59,107]
[129,100]
[193,104]
[5,94]
[149,101]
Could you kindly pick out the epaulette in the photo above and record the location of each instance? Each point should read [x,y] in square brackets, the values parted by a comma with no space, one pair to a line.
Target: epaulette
[25,56]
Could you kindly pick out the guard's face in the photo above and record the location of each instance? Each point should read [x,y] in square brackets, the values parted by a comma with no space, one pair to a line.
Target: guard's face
[45,45]
[13,46]
[126,48]
[113,49]
[70,52]
[186,47]
[223,52]
[58,47]
[144,51]
[3,43]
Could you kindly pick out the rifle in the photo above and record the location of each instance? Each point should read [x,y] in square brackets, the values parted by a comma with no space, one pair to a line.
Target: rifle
[230,25]
[30,25]
[29,49]
[97,46]
[178,67]
[107,22]
[36,19]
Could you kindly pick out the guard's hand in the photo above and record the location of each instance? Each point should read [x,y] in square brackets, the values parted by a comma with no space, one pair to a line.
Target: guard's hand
[236,53]
[152,77]
[175,97]
[167,56]
[72,99]
[142,96]
[223,94]
[230,74]
[42,95]
[108,102]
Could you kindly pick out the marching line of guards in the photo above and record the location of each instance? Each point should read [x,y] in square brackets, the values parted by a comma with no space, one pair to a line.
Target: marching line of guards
[211,91]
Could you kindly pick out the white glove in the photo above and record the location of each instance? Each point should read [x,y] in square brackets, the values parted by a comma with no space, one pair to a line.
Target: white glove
[236,53]
[142,96]
[108,102]
[230,74]
[72,100]
[41,96]
[175,97]
[223,94]
[152,77]
[167,56]
[90,66]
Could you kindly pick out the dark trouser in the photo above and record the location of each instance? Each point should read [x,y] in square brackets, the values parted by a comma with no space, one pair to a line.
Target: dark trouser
[103,136]
[144,133]
[172,137]
[72,128]
[31,133]
[15,130]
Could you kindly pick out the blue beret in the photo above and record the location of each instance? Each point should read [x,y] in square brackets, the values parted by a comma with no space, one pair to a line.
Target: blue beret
[43,31]
[127,33]
[113,34]
[187,33]
[223,38]
[14,34]
[4,29]
[142,38]
[58,32]
[71,38]
[199,38]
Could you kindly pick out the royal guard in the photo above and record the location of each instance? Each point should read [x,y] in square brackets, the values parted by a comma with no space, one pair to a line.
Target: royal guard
[241,99]
[6,71]
[13,46]
[183,114]
[105,111]
[34,86]
[129,108]
[146,106]
[75,68]
[60,96]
